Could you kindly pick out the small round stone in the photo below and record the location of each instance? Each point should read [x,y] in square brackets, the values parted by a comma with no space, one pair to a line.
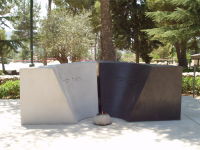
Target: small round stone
[102,119]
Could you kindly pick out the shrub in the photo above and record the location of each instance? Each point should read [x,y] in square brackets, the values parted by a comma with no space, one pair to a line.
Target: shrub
[1,72]
[187,85]
[3,80]
[10,90]
[190,69]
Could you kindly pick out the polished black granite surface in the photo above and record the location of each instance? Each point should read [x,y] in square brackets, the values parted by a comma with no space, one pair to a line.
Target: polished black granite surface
[139,92]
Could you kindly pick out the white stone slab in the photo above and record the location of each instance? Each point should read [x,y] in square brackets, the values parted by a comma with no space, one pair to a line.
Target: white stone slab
[58,94]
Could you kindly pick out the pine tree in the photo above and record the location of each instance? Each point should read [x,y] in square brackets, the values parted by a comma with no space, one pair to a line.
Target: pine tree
[5,8]
[177,22]
[22,25]
[6,46]
[128,22]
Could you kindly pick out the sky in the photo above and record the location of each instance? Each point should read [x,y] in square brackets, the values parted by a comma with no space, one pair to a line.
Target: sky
[43,4]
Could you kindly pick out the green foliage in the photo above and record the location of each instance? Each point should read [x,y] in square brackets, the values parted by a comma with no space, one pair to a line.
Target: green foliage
[177,22]
[3,80]
[5,8]
[95,17]
[118,55]
[75,6]
[127,56]
[22,23]
[79,6]
[6,15]
[24,54]
[6,47]
[187,85]
[66,35]
[163,52]
[2,35]
[128,22]
[194,45]
[1,72]
[22,26]
[180,22]
[10,90]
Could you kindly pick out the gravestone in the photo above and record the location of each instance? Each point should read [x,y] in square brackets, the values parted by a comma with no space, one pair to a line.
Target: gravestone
[140,92]
[68,93]
[65,93]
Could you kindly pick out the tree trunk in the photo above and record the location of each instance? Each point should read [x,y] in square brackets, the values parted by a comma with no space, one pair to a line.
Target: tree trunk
[31,33]
[136,32]
[181,54]
[75,59]
[3,65]
[95,47]
[62,60]
[135,47]
[45,57]
[137,55]
[49,6]
[107,49]
[48,14]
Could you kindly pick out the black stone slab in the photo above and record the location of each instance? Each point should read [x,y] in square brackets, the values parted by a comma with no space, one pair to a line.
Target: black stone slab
[138,92]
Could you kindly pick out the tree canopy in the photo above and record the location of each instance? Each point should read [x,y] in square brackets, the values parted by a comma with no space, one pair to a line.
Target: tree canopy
[76,28]
[177,22]
[66,36]
[128,21]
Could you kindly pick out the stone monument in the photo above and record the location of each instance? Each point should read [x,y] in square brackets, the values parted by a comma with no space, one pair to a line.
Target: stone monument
[57,94]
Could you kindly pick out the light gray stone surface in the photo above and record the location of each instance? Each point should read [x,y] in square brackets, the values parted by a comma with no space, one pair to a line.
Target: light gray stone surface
[58,94]
[181,134]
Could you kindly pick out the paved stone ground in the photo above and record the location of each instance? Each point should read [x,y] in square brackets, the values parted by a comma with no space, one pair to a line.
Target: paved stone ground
[157,135]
